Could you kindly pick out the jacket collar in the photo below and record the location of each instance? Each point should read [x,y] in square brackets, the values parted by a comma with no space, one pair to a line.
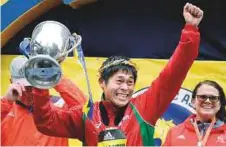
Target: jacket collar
[218,125]
[111,108]
[111,114]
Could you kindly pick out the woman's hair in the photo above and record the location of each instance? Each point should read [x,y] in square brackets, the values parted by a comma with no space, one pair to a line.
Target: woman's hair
[221,114]
[117,63]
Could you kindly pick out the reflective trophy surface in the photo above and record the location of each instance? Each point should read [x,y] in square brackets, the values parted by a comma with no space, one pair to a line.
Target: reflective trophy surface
[50,44]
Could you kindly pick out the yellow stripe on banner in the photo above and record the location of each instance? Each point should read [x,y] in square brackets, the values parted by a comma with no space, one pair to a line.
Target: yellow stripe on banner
[148,69]
[200,70]
[3,2]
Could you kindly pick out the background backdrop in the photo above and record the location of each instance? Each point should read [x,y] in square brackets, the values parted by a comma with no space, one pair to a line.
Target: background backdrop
[145,30]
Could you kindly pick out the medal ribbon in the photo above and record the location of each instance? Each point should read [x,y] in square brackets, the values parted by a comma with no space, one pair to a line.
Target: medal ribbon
[203,139]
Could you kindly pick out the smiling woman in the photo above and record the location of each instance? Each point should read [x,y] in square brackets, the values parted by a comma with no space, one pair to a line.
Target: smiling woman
[207,127]
[209,101]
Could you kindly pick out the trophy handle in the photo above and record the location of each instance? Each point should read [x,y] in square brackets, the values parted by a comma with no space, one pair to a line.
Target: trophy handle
[76,39]
[24,47]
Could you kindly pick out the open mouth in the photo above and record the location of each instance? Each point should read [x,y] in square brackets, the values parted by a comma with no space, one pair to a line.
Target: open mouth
[207,107]
[122,96]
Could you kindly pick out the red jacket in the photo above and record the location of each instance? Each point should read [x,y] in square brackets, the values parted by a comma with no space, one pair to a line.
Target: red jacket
[185,135]
[141,114]
[6,106]
[18,128]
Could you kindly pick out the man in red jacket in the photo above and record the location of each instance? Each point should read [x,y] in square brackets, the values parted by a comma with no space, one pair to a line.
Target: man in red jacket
[18,128]
[119,120]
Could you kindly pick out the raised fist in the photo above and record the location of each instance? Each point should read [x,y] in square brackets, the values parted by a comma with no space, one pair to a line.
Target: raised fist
[192,14]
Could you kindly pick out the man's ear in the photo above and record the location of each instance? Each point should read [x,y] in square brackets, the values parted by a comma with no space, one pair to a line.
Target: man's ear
[101,83]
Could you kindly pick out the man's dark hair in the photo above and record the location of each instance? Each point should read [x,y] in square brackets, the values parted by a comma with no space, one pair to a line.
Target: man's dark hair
[114,64]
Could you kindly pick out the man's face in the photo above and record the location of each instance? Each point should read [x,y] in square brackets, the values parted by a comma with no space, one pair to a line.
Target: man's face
[119,88]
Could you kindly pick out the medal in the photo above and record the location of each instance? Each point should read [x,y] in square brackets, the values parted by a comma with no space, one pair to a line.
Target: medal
[199,144]
[203,139]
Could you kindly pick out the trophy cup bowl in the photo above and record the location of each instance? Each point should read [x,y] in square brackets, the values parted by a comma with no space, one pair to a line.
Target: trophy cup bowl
[50,44]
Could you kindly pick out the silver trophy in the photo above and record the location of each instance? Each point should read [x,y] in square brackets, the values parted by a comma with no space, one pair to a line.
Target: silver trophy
[50,44]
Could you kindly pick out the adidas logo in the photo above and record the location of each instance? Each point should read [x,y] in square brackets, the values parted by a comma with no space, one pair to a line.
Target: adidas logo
[108,136]
[181,137]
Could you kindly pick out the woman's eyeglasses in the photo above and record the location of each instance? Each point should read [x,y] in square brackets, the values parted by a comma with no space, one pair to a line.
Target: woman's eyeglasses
[212,98]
